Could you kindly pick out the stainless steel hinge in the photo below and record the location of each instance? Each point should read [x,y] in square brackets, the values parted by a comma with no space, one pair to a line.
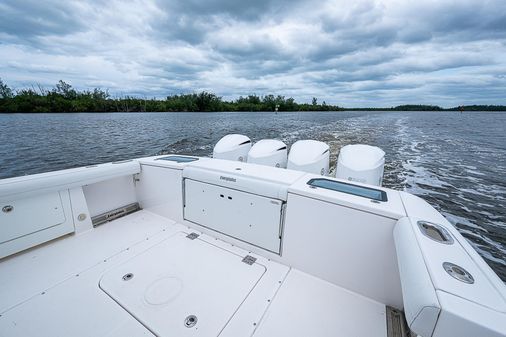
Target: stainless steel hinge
[192,236]
[248,259]
[136,178]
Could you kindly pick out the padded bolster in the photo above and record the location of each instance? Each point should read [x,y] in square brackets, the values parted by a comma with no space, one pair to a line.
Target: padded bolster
[421,305]
[27,186]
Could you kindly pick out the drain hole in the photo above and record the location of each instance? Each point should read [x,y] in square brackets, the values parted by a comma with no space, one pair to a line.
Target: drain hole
[190,321]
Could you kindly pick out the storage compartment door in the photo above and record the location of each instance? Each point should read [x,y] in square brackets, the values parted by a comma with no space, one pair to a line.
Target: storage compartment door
[245,216]
[182,287]
[29,215]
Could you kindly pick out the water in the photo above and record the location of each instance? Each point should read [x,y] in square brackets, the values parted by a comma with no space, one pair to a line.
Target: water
[457,162]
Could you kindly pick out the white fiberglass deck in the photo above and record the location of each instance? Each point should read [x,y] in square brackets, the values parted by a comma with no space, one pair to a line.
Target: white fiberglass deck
[74,286]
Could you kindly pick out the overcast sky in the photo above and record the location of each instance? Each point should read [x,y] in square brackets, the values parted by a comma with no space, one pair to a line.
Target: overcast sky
[350,53]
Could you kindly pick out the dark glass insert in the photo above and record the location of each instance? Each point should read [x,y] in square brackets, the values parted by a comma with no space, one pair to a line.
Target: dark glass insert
[339,186]
[178,159]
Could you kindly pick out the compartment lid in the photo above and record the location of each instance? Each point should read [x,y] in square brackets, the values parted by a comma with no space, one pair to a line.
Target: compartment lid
[391,208]
[182,286]
[258,179]
[30,215]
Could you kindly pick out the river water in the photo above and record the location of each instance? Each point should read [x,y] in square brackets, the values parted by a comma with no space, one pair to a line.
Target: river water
[455,161]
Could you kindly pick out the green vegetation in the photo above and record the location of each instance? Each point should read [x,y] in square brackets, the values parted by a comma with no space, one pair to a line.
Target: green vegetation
[64,98]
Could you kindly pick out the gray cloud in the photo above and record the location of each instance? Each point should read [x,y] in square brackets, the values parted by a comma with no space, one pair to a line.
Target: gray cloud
[366,52]
[25,19]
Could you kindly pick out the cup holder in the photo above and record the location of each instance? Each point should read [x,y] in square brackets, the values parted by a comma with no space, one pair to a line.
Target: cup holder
[457,272]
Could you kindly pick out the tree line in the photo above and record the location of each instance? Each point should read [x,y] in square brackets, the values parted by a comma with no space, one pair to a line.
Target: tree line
[64,98]
[421,107]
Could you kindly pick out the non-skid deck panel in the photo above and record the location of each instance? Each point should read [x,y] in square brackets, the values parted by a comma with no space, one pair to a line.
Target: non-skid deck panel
[29,273]
[76,306]
[67,300]
[181,278]
[308,306]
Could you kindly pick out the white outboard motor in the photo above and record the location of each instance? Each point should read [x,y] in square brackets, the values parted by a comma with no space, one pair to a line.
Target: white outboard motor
[232,147]
[361,163]
[269,152]
[309,156]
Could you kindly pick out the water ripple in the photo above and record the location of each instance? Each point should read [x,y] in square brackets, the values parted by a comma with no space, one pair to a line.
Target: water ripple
[457,162]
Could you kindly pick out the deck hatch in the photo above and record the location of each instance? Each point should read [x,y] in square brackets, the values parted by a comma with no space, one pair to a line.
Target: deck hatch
[180,279]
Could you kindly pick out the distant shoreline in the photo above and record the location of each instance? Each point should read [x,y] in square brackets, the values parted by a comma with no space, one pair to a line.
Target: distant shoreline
[465,109]
[65,99]
[247,111]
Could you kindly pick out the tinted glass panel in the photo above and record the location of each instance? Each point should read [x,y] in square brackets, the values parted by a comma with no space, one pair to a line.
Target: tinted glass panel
[178,159]
[360,191]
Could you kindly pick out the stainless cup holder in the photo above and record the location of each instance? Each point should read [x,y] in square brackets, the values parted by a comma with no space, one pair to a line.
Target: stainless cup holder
[457,272]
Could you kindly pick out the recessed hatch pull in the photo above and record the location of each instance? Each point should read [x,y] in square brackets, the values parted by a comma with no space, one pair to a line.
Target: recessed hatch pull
[190,321]
[192,236]
[127,277]
[7,209]
[248,259]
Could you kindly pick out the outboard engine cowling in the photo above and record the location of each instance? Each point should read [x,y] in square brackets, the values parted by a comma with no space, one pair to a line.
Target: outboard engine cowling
[232,147]
[269,152]
[309,156]
[361,163]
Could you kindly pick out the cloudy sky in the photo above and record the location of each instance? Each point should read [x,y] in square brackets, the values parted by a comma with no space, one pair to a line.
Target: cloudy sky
[350,53]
